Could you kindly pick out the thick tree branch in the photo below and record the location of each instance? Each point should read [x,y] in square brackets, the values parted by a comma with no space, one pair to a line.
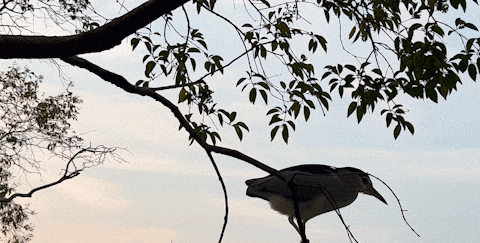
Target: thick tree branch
[122,83]
[97,40]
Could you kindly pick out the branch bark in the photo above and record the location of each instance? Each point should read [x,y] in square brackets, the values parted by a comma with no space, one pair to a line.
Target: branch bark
[66,176]
[97,40]
[123,83]
[29,194]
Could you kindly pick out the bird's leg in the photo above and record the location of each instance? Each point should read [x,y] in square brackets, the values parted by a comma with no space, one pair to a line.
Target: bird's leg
[292,222]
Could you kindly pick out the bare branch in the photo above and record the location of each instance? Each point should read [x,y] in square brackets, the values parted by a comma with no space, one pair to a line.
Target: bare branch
[402,211]
[224,189]
[68,173]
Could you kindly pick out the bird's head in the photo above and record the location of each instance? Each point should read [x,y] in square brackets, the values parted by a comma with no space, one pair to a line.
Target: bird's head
[362,180]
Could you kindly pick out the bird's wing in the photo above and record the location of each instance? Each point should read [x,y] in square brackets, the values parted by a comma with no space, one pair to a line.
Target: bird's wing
[266,187]
[309,184]
[313,169]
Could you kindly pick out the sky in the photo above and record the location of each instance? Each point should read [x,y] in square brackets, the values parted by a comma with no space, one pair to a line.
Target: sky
[166,191]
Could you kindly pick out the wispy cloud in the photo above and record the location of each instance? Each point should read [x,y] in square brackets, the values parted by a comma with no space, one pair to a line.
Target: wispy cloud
[96,193]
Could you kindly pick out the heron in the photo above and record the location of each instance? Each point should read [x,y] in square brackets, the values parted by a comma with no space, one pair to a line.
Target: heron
[320,189]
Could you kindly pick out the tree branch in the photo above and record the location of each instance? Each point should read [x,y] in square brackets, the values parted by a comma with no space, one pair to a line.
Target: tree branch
[71,169]
[224,189]
[97,40]
[65,176]
[29,194]
[123,83]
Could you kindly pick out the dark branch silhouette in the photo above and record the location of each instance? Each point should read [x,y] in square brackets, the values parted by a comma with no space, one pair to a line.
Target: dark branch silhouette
[97,40]
[68,173]
[123,83]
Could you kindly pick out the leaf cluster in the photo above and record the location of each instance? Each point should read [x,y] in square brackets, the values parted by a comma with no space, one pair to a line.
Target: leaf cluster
[416,62]
[71,12]
[29,123]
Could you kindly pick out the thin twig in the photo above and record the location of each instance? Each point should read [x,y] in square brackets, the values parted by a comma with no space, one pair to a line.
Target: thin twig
[399,204]
[224,188]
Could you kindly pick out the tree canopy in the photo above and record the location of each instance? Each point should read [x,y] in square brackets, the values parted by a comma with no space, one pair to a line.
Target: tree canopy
[401,48]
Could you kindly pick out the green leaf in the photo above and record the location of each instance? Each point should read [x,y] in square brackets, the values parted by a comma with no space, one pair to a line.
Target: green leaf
[253,95]
[322,41]
[266,3]
[478,63]
[232,116]
[214,136]
[351,67]
[202,43]
[182,95]
[377,71]
[306,112]
[397,131]
[471,26]
[351,108]
[472,71]
[455,3]
[352,32]
[312,45]
[264,96]
[240,81]
[274,45]
[360,114]
[413,28]
[220,119]
[239,132]
[438,30]
[285,133]
[242,124]
[193,49]
[389,119]
[292,124]
[217,60]
[410,127]
[275,118]
[295,108]
[283,29]
[194,64]
[134,42]
[139,82]
[273,110]
[463,65]
[274,132]
[149,67]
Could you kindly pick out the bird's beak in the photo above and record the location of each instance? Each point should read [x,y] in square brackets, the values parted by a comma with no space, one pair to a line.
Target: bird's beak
[373,192]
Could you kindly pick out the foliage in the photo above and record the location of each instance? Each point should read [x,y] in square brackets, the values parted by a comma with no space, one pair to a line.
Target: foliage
[30,123]
[16,14]
[414,61]
[405,52]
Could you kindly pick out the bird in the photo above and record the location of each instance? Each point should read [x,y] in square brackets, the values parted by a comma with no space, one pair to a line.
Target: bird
[320,189]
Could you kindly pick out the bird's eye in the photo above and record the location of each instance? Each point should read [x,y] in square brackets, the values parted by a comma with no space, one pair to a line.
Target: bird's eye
[366,181]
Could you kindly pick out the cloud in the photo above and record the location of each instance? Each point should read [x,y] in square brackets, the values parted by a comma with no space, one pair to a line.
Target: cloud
[102,233]
[94,192]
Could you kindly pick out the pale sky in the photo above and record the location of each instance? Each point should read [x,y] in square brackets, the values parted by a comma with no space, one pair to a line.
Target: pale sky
[168,191]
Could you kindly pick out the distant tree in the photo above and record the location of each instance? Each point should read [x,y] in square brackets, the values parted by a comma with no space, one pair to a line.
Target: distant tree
[32,125]
[404,52]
